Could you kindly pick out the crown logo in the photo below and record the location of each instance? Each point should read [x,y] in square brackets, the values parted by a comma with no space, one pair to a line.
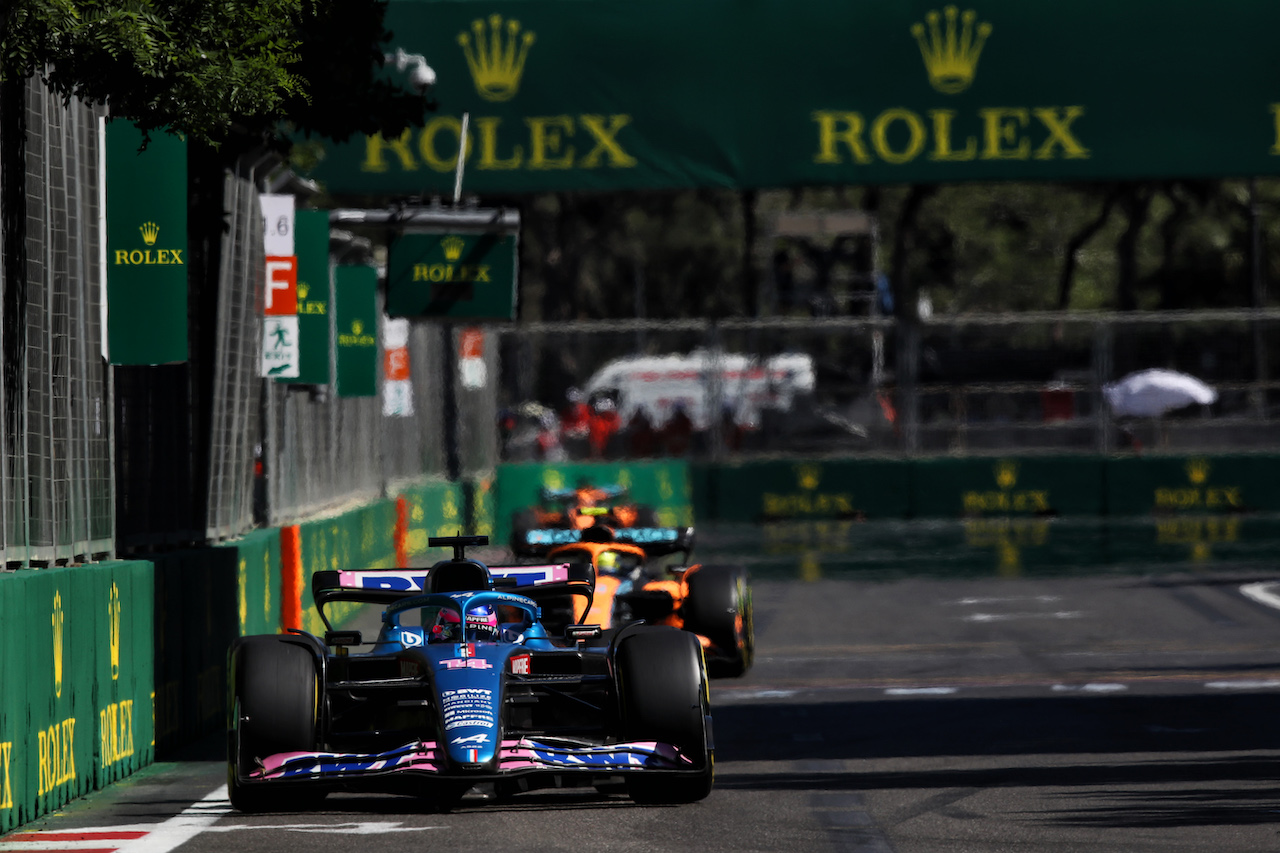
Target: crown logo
[1197,470]
[59,618]
[808,476]
[150,231]
[453,247]
[113,627]
[356,327]
[495,66]
[1006,474]
[303,290]
[950,52]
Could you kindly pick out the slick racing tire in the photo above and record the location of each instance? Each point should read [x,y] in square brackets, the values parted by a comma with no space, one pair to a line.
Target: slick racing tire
[662,687]
[275,701]
[718,606]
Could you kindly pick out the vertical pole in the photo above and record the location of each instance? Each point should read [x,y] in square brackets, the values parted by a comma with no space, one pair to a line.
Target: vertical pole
[462,159]
[1258,396]
[449,361]
[908,374]
[1104,430]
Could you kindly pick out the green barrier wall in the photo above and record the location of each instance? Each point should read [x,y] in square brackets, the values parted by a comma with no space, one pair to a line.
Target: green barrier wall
[257,558]
[663,485]
[363,538]
[1037,486]
[76,711]
[1007,486]
[436,508]
[1178,484]
[482,505]
[780,489]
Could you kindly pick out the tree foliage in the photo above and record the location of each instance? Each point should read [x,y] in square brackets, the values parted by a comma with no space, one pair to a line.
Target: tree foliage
[1173,244]
[215,71]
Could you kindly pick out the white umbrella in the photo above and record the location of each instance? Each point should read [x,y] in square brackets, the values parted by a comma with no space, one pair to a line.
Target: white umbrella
[1151,393]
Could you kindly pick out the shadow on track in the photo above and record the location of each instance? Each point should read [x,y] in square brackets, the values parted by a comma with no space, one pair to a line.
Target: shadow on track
[1022,726]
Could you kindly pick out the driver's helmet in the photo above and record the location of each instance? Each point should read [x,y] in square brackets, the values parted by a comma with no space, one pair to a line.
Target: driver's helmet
[608,561]
[482,625]
[447,628]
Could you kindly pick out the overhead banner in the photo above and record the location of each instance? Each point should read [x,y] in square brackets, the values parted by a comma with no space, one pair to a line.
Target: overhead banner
[460,276]
[311,244]
[356,330]
[618,95]
[146,247]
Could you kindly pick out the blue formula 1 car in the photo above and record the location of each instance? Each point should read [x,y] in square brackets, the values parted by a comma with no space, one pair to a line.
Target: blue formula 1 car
[466,683]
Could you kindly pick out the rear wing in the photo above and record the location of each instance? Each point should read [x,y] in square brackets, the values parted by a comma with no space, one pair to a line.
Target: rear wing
[384,586]
[656,541]
[603,493]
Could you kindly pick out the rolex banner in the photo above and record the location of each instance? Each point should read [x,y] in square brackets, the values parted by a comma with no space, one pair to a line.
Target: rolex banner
[355,296]
[616,95]
[311,243]
[146,247]
[460,276]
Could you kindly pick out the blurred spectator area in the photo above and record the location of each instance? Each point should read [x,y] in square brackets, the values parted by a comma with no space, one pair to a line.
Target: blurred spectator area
[1000,383]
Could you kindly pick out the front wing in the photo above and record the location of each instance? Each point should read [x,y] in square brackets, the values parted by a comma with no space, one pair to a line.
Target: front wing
[515,757]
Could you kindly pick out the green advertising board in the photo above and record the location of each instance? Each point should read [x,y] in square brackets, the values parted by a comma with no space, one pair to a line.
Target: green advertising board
[461,276]
[616,95]
[355,292]
[146,247]
[311,245]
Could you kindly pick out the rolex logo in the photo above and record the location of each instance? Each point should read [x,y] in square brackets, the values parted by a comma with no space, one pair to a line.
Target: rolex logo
[1197,470]
[951,48]
[58,620]
[357,327]
[496,63]
[453,247]
[303,290]
[1006,474]
[150,231]
[808,476]
[113,628]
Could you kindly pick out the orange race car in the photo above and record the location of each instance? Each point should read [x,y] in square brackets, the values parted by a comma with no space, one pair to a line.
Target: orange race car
[581,507]
[711,601]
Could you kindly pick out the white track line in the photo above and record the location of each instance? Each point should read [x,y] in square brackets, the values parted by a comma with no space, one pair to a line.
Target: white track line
[1006,617]
[1263,593]
[184,826]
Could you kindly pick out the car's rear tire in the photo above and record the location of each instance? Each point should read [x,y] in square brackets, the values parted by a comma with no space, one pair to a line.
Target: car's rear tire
[275,701]
[662,688]
[718,606]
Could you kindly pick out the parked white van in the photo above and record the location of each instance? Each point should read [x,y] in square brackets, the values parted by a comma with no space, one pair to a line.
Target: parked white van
[747,385]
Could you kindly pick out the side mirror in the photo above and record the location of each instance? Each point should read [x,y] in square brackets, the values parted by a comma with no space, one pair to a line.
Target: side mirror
[343,638]
[578,633]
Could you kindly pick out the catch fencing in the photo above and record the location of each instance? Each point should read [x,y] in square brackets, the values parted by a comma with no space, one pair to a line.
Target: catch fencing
[965,385]
[56,479]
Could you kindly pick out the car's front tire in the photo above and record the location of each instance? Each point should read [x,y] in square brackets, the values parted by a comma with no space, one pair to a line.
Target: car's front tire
[275,701]
[662,689]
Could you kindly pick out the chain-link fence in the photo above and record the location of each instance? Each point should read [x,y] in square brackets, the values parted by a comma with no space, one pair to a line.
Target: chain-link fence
[967,385]
[323,451]
[56,482]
